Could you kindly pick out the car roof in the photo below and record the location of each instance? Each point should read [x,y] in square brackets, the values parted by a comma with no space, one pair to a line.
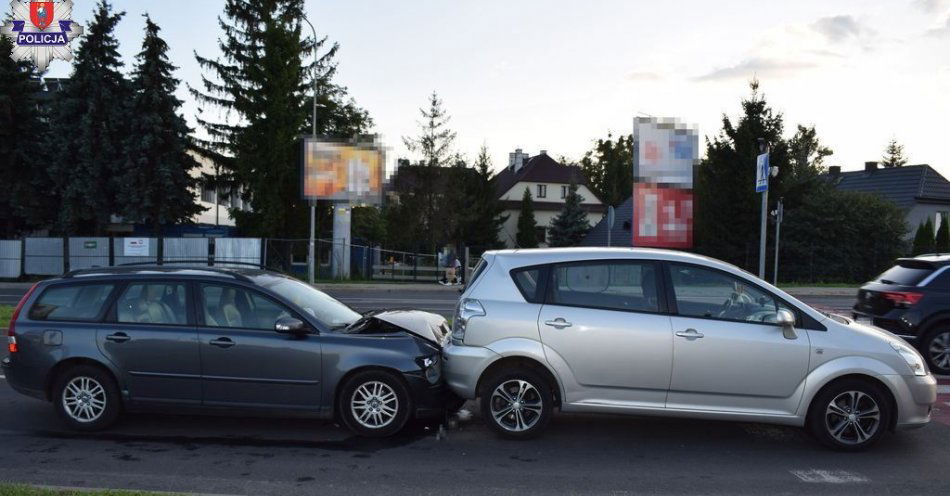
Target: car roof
[935,259]
[552,255]
[219,272]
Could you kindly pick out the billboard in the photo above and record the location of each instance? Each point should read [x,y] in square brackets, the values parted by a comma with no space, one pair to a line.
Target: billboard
[341,171]
[665,152]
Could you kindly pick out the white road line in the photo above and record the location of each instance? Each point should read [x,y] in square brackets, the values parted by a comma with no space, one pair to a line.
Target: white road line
[829,476]
[3,377]
[941,389]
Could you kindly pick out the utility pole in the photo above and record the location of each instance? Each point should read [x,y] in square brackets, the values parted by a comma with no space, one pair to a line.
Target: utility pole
[763,171]
[311,256]
[779,212]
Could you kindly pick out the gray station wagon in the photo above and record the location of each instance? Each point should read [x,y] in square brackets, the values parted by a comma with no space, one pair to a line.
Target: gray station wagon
[99,341]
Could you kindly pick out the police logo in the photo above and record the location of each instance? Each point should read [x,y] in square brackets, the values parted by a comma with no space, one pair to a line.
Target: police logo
[41,31]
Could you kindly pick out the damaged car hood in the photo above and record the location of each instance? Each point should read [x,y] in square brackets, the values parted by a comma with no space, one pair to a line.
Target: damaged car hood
[426,325]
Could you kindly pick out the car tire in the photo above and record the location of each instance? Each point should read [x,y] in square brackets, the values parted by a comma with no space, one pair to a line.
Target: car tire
[374,403]
[87,398]
[849,415]
[517,404]
[935,347]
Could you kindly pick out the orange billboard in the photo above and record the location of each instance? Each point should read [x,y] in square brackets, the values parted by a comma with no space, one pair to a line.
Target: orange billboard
[341,171]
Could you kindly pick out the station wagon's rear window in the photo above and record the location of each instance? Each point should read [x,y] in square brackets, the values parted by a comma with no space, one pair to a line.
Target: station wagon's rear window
[81,302]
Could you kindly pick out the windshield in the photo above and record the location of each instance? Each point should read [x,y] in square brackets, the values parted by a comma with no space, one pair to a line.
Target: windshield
[324,307]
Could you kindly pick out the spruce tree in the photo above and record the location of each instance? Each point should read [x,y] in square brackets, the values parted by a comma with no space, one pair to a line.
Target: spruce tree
[527,236]
[924,238]
[435,140]
[25,200]
[942,241]
[89,127]
[263,83]
[156,186]
[486,210]
[571,224]
[893,155]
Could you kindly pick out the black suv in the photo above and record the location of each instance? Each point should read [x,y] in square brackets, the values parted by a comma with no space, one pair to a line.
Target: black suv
[912,300]
[99,341]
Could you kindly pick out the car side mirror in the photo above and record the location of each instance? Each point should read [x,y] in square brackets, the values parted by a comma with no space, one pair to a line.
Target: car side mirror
[786,320]
[290,325]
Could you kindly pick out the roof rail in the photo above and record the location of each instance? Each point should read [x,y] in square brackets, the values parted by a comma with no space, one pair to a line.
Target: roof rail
[205,262]
[132,265]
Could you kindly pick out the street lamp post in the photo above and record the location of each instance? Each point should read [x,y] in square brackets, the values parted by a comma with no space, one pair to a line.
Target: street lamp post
[763,150]
[311,258]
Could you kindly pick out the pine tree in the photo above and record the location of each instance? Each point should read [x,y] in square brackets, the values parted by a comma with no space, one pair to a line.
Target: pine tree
[924,239]
[436,139]
[527,236]
[609,169]
[893,155]
[25,200]
[264,85]
[942,241]
[90,125]
[156,186]
[571,224]
[486,212]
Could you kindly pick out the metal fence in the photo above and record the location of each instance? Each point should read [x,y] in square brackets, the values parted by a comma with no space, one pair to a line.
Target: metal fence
[11,258]
[53,256]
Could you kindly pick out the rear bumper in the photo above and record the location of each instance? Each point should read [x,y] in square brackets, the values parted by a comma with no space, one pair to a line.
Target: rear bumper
[889,324]
[915,397]
[463,365]
[17,382]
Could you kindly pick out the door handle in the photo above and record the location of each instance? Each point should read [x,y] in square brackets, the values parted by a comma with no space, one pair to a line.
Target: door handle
[690,334]
[222,343]
[558,323]
[119,337]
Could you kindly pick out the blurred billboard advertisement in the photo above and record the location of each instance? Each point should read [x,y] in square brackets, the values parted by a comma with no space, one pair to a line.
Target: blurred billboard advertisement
[341,171]
[665,152]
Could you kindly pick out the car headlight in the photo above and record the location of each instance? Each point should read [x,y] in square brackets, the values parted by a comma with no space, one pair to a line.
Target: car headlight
[466,309]
[910,355]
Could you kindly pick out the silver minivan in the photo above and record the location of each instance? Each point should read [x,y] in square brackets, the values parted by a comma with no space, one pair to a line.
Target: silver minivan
[658,332]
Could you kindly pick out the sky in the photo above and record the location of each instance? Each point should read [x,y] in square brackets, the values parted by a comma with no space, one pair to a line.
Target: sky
[557,75]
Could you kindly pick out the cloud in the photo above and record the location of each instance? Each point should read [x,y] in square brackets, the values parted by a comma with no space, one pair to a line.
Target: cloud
[838,28]
[757,66]
[941,31]
[643,76]
[932,6]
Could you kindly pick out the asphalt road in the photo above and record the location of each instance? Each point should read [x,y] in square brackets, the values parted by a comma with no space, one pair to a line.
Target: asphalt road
[441,300]
[580,454]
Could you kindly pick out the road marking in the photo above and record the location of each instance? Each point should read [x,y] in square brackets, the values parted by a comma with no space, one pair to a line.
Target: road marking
[943,389]
[3,377]
[829,476]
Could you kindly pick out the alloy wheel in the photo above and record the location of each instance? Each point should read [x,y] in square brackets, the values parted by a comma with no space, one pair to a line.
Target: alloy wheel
[852,417]
[374,404]
[940,350]
[84,399]
[516,405]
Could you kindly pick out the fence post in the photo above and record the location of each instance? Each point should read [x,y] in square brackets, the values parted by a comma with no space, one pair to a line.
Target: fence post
[464,277]
[415,267]
[211,252]
[160,250]
[264,252]
[22,256]
[111,251]
[65,254]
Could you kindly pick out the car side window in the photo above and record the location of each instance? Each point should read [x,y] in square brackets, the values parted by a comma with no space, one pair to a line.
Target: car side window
[609,284]
[713,294]
[82,302]
[153,303]
[528,281]
[231,306]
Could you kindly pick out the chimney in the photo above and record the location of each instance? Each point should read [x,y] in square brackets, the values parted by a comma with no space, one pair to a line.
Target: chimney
[543,152]
[517,159]
[834,171]
[870,166]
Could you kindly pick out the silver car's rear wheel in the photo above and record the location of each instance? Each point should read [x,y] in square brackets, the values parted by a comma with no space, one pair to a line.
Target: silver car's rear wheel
[852,417]
[84,399]
[516,405]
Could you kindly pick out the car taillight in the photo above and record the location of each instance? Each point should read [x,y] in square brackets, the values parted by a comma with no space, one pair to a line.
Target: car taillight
[903,298]
[11,331]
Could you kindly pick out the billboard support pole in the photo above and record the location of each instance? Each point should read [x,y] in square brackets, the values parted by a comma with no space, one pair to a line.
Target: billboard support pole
[311,259]
[762,233]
